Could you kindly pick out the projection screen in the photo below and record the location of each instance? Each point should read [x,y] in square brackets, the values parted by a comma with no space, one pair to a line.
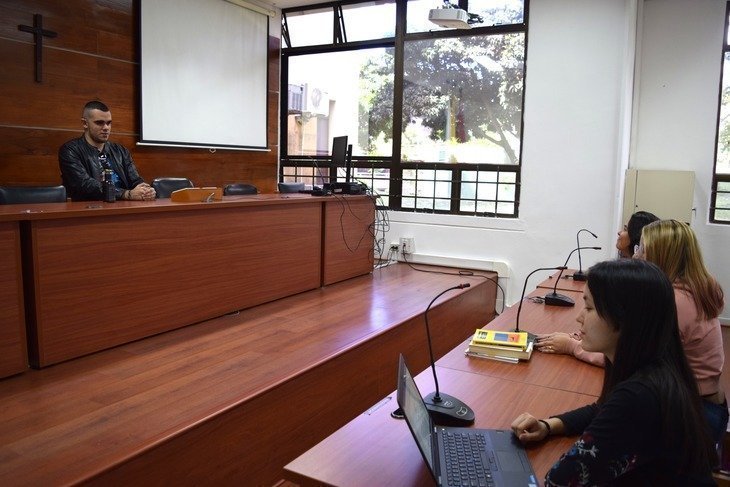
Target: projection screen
[203,74]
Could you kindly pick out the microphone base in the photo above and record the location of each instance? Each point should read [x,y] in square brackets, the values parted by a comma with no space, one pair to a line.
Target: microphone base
[580,276]
[555,299]
[450,411]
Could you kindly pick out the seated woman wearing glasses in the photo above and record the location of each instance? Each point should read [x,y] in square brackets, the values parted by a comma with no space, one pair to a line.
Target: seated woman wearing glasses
[647,426]
[673,246]
[626,242]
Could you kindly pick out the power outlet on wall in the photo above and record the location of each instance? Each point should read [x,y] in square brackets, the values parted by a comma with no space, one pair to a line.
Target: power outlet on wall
[408,245]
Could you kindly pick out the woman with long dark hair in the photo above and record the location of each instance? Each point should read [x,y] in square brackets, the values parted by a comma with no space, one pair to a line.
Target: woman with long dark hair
[628,238]
[647,427]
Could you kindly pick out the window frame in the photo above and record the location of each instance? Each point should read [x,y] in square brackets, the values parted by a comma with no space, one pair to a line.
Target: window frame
[393,162]
[720,178]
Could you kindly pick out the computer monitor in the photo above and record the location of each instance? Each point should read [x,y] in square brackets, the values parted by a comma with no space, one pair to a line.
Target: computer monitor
[348,164]
[339,153]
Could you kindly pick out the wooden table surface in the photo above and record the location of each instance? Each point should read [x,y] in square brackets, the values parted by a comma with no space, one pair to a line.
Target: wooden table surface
[565,283]
[375,449]
[562,372]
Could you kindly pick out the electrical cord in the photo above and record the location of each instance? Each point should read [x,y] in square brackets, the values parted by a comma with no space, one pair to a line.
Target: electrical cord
[377,229]
[463,273]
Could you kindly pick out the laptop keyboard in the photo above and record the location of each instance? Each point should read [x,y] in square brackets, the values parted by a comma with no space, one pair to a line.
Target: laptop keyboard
[466,460]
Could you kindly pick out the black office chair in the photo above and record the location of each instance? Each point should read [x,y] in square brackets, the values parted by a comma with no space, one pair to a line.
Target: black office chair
[239,188]
[165,186]
[10,195]
[290,187]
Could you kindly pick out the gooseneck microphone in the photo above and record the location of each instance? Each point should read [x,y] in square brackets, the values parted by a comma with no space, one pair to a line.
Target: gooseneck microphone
[531,336]
[445,409]
[580,275]
[555,299]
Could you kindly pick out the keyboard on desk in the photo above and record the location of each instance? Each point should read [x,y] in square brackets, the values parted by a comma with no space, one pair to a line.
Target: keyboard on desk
[466,459]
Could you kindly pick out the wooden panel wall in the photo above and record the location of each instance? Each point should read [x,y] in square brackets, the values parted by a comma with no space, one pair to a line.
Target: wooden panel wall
[13,356]
[95,56]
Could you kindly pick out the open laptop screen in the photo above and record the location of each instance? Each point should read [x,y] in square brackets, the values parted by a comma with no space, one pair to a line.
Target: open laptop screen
[415,412]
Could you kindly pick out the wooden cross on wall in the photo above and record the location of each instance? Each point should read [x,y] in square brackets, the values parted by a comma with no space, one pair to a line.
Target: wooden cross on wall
[38,34]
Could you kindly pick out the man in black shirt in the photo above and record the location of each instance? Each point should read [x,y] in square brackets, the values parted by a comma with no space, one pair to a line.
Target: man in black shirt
[83,160]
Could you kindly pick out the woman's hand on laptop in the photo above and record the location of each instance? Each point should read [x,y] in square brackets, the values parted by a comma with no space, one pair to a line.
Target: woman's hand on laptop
[528,428]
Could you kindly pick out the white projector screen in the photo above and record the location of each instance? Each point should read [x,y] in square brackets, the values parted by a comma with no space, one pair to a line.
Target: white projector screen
[203,74]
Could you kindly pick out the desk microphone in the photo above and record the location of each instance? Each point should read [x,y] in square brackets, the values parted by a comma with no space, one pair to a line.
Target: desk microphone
[531,336]
[555,299]
[445,409]
[580,275]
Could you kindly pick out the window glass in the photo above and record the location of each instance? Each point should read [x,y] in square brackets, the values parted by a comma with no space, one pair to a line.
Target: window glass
[417,15]
[459,147]
[498,12]
[721,197]
[311,27]
[492,192]
[370,20]
[377,179]
[722,202]
[309,175]
[326,102]
[427,189]
[723,146]
[381,185]
[462,99]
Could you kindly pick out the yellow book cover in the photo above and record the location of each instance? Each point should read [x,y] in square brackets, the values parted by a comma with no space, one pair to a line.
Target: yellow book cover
[502,338]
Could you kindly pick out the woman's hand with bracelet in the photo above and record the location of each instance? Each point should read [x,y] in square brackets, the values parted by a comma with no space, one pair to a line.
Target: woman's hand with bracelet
[528,428]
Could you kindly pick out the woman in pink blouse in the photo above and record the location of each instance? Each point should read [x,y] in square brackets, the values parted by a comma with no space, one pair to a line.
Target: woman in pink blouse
[673,246]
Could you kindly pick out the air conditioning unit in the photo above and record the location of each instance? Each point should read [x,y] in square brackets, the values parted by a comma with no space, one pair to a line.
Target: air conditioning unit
[295,98]
[315,100]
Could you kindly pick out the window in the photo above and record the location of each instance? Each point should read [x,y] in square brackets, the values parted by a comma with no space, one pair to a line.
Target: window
[462,99]
[434,116]
[311,27]
[720,204]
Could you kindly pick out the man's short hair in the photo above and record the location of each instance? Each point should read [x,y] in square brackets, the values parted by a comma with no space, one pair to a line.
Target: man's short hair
[94,105]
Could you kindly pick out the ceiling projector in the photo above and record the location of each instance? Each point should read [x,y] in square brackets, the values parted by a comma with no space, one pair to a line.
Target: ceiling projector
[453,18]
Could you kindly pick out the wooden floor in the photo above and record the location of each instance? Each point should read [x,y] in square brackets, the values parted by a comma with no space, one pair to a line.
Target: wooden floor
[191,406]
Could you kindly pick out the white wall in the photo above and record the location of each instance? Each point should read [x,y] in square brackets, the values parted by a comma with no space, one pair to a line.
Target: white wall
[678,73]
[578,100]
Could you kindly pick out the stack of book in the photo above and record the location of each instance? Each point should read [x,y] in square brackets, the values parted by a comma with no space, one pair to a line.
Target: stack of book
[507,346]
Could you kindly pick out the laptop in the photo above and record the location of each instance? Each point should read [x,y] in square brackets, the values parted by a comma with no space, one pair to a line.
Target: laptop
[487,457]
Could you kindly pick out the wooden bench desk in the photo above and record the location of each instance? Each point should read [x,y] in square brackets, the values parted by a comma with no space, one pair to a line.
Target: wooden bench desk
[566,282]
[103,274]
[556,371]
[232,400]
[375,449]
[13,356]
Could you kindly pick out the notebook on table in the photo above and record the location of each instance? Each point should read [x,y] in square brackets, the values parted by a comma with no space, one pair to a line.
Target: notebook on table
[462,456]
